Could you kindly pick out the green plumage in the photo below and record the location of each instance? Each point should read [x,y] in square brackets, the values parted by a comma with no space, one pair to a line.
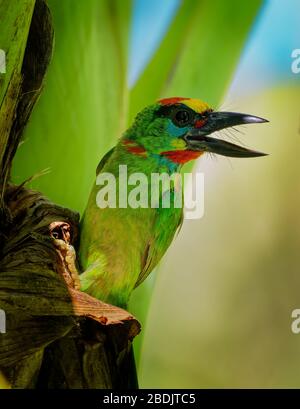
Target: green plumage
[121,246]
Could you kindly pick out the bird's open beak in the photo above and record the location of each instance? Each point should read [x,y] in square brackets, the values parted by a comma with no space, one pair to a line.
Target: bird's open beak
[198,138]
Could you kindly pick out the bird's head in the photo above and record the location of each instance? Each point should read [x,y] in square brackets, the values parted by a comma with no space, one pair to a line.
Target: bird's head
[180,129]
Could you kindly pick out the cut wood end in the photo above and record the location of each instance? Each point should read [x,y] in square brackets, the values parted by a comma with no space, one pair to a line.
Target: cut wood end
[87,306]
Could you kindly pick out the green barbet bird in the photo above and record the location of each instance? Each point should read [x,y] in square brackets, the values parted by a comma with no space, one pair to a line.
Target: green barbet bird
[121,245]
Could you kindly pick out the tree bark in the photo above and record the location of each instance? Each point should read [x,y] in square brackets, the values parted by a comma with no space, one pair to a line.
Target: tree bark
[56,336]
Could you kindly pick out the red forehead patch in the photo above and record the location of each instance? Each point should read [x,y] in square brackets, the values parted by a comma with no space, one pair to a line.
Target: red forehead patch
[171,101]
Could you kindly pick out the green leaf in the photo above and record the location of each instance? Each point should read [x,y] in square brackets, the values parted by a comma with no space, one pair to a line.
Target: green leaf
[17,16]
[212,47]
[13,36]
[82,109]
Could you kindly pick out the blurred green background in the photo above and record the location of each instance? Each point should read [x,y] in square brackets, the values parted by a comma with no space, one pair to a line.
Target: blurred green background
[217,311]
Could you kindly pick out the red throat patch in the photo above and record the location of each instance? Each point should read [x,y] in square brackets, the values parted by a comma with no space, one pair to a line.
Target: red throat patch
[181,157]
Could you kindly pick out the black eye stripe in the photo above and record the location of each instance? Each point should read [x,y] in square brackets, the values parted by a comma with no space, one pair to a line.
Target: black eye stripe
[164,111]
[180,114]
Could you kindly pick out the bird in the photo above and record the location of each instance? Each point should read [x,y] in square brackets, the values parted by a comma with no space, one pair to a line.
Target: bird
[120,245]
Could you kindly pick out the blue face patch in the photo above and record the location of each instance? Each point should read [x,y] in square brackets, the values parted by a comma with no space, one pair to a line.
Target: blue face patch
[176,131]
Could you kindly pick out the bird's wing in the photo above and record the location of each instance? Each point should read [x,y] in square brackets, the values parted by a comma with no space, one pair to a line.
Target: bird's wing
[103,161]
[166,222]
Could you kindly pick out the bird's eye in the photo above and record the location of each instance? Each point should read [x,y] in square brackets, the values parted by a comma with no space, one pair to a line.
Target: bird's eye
[182,118]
